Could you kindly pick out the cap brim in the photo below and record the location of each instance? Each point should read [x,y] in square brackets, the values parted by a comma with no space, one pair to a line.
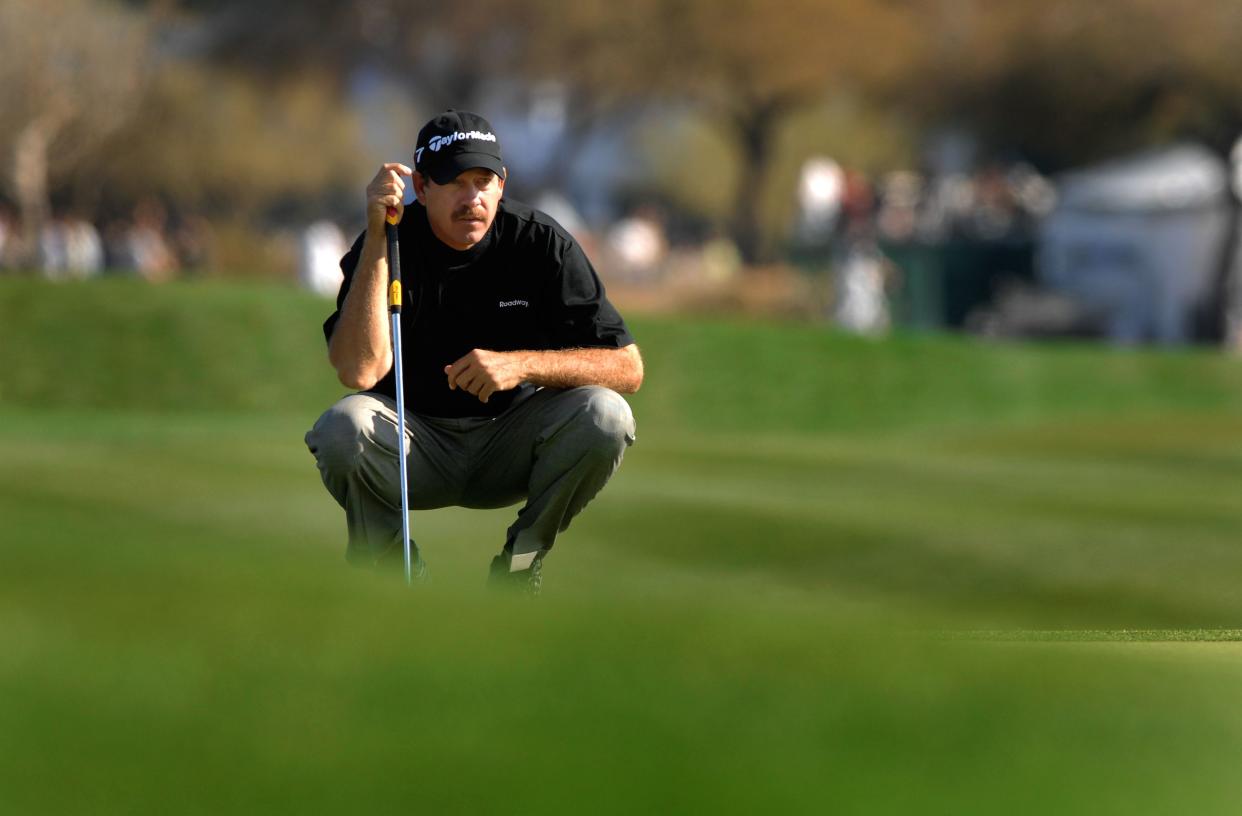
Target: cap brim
[453,166]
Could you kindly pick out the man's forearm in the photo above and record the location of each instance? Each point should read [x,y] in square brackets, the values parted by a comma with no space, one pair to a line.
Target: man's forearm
[360,349]
[619,369]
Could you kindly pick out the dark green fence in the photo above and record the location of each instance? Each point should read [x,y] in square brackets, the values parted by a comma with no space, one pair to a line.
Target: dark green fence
[941,284]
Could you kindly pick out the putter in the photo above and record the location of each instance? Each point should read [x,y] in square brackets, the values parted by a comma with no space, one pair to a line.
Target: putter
[412,569]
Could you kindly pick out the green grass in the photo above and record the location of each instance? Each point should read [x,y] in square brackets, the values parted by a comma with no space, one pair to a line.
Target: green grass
[914,576]
[1108,635]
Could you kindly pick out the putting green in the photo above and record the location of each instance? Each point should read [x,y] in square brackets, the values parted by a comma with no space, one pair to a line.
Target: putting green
[874,604]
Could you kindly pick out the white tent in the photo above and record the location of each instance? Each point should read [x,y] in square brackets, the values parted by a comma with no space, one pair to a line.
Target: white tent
[1139,241]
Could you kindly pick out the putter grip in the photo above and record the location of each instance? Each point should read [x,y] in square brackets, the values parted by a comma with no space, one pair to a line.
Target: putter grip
[394,262]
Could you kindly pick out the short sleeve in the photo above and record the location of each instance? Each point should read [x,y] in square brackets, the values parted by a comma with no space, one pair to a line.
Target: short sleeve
[348,264]
[584,316]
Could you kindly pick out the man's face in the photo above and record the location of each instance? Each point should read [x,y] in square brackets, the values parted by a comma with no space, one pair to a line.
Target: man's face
[461,212]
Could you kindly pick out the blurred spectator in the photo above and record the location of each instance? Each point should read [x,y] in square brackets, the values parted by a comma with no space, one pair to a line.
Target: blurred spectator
[900,196]
[320,249]
[53,252]
[193,244]
[1035,195]
[857,206]
[7,230]
[148,247]
[638,246]
[84,255]
[861,301]
[994,213]
[118,254]
[951,204]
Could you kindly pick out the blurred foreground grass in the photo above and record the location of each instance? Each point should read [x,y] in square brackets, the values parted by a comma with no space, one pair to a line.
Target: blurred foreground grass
[752,617]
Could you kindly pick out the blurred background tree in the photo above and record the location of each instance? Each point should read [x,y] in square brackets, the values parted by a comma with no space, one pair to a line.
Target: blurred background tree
[72,71]
[250,154]
[443,52]
[749,68]
[746,69]
[245,111]
[1063,82]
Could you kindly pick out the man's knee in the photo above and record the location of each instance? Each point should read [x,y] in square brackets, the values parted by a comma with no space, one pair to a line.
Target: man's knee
[609,420]
[341,434]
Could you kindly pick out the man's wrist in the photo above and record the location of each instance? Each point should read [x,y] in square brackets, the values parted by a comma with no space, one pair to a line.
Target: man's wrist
[374,246]
[527,363]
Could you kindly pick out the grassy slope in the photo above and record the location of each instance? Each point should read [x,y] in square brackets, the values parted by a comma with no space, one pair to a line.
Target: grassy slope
[124,345]
[726,630]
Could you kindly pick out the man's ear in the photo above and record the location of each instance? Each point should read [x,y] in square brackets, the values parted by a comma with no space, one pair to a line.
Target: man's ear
[420,188]
[503,176]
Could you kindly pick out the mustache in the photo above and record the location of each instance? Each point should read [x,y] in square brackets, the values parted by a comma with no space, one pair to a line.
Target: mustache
[470,212]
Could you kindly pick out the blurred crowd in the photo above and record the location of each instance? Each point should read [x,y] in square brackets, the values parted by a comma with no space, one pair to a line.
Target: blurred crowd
[999,250]
[148,244]
[837,209]
[994,203]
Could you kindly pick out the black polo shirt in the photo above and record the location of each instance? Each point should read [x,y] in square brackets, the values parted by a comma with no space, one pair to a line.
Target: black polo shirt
[526,286]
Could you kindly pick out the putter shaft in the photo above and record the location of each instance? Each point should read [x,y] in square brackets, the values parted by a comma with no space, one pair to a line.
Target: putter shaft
[394,310]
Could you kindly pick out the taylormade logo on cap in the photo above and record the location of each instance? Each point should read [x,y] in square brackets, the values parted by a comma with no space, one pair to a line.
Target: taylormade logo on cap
[438,142]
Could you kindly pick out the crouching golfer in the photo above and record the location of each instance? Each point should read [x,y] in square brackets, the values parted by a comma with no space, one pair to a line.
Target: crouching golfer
[513,360]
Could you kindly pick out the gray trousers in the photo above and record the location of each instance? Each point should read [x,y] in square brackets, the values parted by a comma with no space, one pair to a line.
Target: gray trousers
[555,448]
